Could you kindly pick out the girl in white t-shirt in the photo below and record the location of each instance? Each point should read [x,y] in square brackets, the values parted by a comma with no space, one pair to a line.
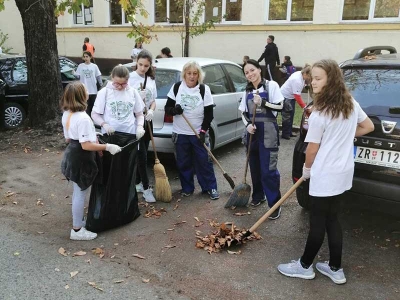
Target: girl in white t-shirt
[263,156]
[136,50]
[142,80]
[336,119]
[193,98]
[89,74]
[78,164]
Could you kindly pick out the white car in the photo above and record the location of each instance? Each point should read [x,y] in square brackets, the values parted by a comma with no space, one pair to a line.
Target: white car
[227,83]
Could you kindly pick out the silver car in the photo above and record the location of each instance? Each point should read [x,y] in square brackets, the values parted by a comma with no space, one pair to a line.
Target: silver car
[226,82]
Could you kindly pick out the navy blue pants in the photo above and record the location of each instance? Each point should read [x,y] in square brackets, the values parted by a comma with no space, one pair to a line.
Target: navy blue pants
[288,116]
[264,172]
[192,158]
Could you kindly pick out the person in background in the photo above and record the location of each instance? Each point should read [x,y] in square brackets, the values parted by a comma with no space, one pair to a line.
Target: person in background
[291,90]
[287,67]
[142,80]
[166,52]
[88,47]
[271,57]
[263,157]
[193,98]
[334,122]
[90,75]
[79,163]
[136,50]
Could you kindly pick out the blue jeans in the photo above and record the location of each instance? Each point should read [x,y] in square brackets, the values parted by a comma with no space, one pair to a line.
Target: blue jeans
[192,158]
[288,116]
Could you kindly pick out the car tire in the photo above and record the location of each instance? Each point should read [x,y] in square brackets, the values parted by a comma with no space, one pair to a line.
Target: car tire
[211,139]
[303,197]
[14,115]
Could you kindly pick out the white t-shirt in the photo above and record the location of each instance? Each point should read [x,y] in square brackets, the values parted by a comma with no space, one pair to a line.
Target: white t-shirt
[333,167]
[293,86]
[274,95]
[135,52]
[81,127]
[193,106]
[151,91]
[87,75]
[118,107]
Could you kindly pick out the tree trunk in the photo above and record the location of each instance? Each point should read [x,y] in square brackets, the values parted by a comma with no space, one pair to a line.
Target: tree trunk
[44,76]
[187,24]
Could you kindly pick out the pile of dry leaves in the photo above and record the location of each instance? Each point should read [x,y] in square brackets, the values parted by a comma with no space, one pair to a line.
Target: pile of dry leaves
[225,236]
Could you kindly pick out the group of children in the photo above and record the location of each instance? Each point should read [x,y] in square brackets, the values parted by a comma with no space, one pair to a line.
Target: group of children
[129,99]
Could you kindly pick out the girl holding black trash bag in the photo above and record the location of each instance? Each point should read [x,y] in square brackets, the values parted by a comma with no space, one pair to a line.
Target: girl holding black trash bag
[79,164]
[263,156]
[142,80]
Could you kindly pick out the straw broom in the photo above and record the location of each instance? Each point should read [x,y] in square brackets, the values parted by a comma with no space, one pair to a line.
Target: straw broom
[162,187]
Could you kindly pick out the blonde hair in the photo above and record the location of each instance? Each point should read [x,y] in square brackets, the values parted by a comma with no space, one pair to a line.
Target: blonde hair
[120,71]
[334,98]
[306,70]
[193,65]
[75,97]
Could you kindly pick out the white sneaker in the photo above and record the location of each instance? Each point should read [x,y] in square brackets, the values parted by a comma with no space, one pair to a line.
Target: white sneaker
[337,277]
[82,235]
[148,196]
[295,269]
[139,188]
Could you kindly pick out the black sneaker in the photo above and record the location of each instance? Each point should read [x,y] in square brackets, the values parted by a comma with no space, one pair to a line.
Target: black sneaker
[285,137]
[213,194]
[276,214]
[293,135]
[257,202]
[185,194]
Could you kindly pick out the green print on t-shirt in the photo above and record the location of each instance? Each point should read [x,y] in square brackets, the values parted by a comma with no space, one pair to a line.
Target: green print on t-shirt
[189,102]
[121,110]
[87,73]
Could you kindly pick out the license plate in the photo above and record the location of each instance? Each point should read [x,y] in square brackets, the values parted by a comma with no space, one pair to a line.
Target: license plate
[378,157]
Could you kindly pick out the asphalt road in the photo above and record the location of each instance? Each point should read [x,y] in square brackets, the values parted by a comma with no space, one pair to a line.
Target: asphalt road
[32,268]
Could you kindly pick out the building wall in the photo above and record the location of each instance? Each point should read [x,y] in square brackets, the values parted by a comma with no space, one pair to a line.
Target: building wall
[305,42]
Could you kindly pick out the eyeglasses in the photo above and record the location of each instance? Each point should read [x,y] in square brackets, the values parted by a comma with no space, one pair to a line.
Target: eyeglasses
[123,85]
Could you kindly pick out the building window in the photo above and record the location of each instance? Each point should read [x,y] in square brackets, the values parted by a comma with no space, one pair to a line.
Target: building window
[371,10]
[224,10]
[85,16]
[117,14]
[168,11]
[290,10]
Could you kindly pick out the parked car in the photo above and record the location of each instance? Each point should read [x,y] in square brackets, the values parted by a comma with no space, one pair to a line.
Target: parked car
[373,79]
[227,83]
[14,73]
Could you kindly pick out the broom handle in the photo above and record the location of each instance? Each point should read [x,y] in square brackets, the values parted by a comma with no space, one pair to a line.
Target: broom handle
[149,127]
[248,147]
[205,146]
[277,204]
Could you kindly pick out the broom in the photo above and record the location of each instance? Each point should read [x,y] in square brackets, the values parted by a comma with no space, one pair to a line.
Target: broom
[163,189]
[241,194]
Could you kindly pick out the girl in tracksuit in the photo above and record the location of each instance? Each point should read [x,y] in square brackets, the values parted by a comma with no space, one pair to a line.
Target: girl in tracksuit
[263,157]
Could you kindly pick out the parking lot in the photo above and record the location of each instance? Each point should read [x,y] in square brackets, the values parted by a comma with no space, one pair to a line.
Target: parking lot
[172,268]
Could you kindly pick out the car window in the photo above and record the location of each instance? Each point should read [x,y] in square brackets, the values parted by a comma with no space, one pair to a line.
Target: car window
[374,87]
[237,77]
[215,78]
[165,79]
[66,67]
[20,71]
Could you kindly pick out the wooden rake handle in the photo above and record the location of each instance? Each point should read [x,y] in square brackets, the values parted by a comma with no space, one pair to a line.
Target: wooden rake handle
[205,146]
[149,127]
[277,204]
[248,147]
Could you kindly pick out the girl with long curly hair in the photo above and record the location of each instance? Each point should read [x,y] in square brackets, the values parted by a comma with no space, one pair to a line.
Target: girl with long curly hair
[336,119]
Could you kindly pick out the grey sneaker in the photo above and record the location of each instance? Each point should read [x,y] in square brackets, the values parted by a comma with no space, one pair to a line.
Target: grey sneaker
[295,269]
[148,196]
[337,277]
[139,188]
[82,235]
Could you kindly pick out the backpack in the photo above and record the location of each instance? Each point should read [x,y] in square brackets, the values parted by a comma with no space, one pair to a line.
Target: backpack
[202,89]
[290,70]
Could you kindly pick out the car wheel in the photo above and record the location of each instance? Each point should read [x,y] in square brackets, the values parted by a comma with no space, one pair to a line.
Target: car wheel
[14,115]
[303,198]
[212,139]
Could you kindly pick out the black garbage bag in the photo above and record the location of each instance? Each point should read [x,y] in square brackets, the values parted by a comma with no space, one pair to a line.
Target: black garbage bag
[113,198]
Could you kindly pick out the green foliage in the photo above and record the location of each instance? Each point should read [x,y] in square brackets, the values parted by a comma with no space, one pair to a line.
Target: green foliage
[2,5]
[3,39]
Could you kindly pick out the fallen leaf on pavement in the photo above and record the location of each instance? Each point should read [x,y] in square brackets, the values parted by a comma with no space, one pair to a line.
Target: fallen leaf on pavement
[39,202]
[197,219]
[171,229]
[169,246]
[153,212]
[66,287]
[242,213]
[88,261]
[138,256]
[73,273]
[234,252]
[9,194]
[16,253]
[176,206]
[45,214]
[145,280]
[198,224]
[57,269]
[15,202]
[79,253]
[179,223]
[40,232]
[93,284]
[119,281]
[62,251]
[98,251]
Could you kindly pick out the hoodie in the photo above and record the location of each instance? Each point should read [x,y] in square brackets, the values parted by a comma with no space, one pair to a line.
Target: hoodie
[270,55]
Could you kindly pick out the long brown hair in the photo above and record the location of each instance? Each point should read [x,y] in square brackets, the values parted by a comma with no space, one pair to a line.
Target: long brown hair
[334,98]
[74,98]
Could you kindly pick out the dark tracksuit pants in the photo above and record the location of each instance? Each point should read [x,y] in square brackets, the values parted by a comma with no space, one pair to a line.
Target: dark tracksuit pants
[141,175]
[191,159]
[288,116]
